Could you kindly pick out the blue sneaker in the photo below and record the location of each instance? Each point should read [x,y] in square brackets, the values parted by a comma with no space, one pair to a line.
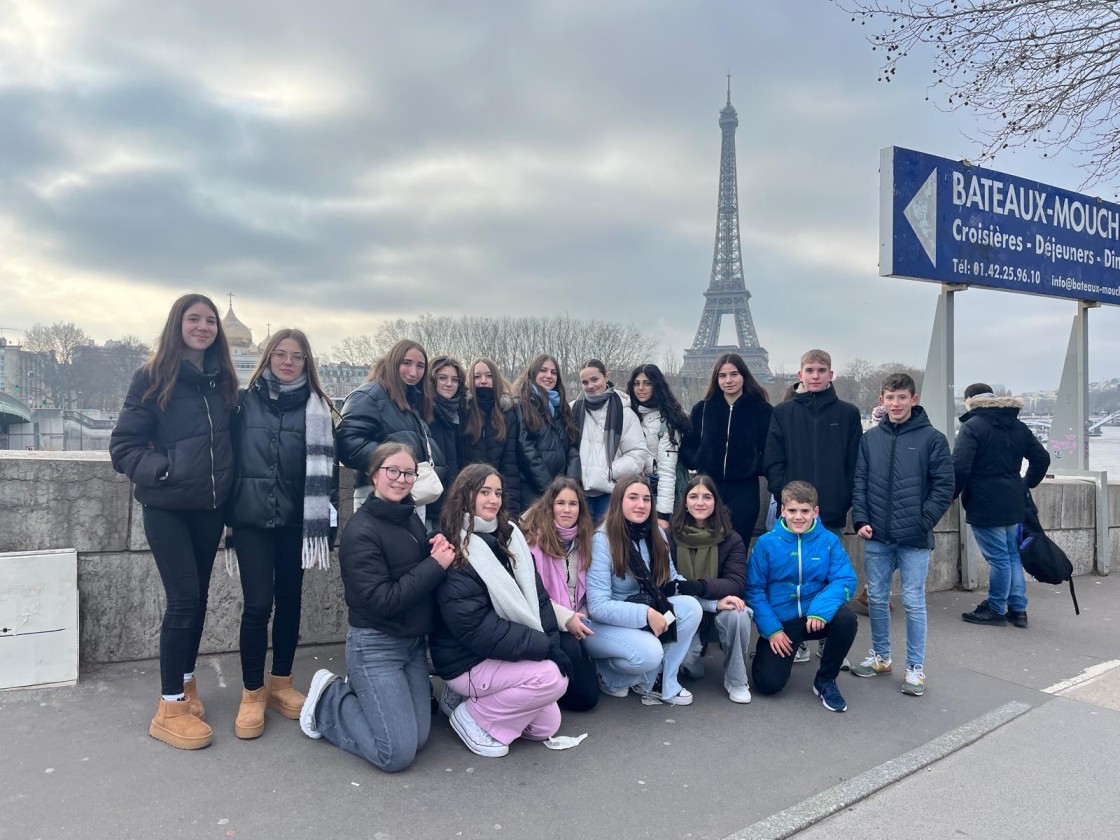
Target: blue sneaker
[830,695]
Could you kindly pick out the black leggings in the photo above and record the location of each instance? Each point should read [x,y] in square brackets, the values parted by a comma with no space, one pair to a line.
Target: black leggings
[183,543]
[270,563]
[742,500]
[771,672]
[583,684]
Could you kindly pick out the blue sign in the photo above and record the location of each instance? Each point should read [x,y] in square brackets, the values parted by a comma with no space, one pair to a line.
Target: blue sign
[946,221]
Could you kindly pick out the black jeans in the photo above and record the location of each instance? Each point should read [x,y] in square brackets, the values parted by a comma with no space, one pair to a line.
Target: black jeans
[770,672]
[742,500]
[183,543]
[271,572]
[583,683]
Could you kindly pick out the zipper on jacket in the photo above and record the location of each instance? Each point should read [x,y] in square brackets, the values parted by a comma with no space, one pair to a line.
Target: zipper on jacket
[890,483]
[210,420]
[799,615]
[727,442]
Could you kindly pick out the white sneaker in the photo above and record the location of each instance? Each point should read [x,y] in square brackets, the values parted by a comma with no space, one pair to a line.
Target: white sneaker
[737,693]
[477,739]
[649,698]
[319,684]
[802,654]
[449,700]
[613,692]
[820,648]
[684,698]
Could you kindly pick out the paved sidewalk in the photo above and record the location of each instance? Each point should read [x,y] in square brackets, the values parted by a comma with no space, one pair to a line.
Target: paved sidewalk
[79,763]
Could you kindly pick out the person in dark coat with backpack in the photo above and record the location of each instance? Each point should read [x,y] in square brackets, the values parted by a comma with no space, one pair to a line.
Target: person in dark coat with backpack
[988,462]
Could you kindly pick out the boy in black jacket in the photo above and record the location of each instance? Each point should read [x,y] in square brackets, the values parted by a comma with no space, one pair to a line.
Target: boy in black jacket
[814,436]
[988,460]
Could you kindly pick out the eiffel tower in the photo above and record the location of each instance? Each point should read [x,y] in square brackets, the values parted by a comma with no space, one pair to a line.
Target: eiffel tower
[727,292]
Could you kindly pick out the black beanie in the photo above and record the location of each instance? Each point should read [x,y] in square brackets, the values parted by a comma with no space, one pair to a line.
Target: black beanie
[977,388]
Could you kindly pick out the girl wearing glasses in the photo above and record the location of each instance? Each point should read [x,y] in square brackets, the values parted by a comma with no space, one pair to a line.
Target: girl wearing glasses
[393,406]
[390,568]
[172,440]
[549,437]
[281,512]
[490,429]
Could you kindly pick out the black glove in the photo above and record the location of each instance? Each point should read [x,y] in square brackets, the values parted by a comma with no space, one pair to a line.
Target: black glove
[560,658]
[690,587]
[669,588]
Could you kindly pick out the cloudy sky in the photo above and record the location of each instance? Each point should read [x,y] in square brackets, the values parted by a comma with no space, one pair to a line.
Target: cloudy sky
[334,164]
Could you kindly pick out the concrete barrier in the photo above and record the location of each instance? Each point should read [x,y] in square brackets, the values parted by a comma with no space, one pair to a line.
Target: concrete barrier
[51,500]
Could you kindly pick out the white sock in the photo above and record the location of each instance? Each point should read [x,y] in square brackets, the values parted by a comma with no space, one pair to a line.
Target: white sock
[172,697]
[188,677]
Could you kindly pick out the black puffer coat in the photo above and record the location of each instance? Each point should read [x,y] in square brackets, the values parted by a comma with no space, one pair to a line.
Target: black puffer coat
[815,437]
[500,454]
[468,630]
[187,445]
[388,573]
[369,419]
[544,455]
[448,440]
[988,460]
[904,481]
[727,442]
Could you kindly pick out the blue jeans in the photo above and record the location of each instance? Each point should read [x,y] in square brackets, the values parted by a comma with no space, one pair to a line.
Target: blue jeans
[879,562]
[597,507]
[1007,588]
[628,657]
[382,712]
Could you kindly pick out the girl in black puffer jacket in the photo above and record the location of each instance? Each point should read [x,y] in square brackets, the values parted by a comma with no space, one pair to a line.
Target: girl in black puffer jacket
[395,405]
[490,429]
[172,440]
[281,513]
[549,437]
[448,381]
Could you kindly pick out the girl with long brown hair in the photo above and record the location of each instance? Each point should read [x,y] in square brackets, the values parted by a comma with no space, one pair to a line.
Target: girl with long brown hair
[491,429]
[631,592]
[550,437]
[172,439]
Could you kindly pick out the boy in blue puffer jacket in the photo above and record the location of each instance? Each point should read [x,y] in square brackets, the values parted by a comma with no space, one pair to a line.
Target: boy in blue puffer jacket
[798,580]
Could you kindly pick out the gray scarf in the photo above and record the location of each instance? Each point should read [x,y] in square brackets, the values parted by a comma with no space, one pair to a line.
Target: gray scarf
[514,598]
[612,423]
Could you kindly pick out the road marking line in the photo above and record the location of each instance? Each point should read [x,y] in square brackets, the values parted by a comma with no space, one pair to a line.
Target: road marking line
[1088,675]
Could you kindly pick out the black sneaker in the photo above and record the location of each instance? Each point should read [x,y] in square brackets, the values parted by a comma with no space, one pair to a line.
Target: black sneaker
[830,695]
[983,615]
[1019,619]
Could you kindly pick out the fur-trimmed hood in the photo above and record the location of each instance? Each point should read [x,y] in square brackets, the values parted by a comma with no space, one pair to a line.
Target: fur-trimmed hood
[985,401]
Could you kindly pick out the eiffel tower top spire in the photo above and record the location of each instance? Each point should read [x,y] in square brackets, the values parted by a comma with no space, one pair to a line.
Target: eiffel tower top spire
[727,291]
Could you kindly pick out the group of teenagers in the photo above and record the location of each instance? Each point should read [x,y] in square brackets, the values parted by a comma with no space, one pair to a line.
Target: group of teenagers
[564,550]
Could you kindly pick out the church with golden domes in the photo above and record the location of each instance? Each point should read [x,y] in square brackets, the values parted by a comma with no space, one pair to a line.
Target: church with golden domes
[241,347]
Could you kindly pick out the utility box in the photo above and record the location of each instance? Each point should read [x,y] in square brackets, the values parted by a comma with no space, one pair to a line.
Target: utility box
[38,618]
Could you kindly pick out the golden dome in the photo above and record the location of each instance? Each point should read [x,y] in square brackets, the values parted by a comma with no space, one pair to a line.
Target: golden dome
[237,334]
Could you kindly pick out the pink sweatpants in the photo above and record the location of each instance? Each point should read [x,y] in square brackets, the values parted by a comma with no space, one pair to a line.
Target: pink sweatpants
[511,700]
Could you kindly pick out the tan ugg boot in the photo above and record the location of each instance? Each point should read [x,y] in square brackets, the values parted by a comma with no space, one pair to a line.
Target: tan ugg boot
[283,698]
[190,689]
[175,725]
[250,716]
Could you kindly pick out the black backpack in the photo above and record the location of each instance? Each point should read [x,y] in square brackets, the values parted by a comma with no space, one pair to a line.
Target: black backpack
[1042,558]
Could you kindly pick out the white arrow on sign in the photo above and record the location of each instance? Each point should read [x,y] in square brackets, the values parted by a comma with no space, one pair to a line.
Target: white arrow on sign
[921,213]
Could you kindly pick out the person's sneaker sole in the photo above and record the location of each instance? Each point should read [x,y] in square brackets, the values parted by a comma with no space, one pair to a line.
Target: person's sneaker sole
[614,692]
[870,672]
[484,750]
[682,699]
[913,690]
[824,702]
[738,693]
[993,621]
[802,656]
[319,684]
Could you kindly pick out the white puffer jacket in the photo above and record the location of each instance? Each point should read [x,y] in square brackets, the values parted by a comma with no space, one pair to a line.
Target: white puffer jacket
[598,475]
[661,459]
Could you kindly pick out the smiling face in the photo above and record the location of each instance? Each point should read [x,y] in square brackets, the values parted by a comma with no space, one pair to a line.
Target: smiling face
[200,329]
[815,376]
[412,368]
[488,500]
[593,381]
[394,489]
[643,388]
[799,516]
[899,404]
[636,503]
[481,376]
[730,381]
[547,376]
[700,503]
[447,381]
[565,510]
[287,360]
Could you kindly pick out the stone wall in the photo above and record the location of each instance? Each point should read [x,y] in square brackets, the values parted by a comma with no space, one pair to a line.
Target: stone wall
[75,500]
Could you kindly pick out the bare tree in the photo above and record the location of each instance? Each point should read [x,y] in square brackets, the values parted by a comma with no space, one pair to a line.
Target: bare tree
[861,381]
[354,350]
[60,343]
[1044,73]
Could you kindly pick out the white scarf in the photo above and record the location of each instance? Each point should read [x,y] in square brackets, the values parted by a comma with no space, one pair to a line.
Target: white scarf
[514,598]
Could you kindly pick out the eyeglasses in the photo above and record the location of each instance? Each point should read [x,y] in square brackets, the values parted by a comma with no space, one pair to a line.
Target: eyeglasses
[282,356]
[395,473]
[444,379]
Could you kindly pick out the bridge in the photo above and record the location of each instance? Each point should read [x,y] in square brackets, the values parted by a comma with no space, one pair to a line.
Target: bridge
[1041,425]
[13,411]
